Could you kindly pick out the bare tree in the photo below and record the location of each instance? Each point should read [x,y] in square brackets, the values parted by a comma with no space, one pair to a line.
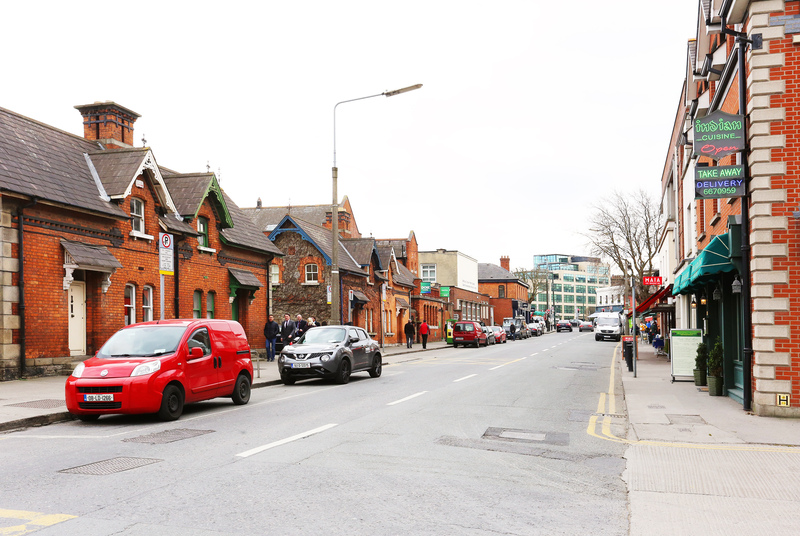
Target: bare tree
[536,280]
[625,229]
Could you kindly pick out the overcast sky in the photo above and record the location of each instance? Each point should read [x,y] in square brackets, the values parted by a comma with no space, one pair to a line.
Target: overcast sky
[530,111]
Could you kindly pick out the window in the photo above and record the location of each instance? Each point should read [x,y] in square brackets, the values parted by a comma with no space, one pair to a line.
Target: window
[542,297]
[557,298]
[198,297]
[312,273]
[137,215]
[569,288]
[501,291]
[275,274]
[591,300]
[569,298]
[210,305]
[569,278]
[200,339]
[429,273]
[557,287]
[130,305]
[147,304]
[202,228]
[580,299]
[580,289]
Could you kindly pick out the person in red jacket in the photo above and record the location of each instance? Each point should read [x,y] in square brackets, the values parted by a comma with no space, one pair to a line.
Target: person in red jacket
[423,331]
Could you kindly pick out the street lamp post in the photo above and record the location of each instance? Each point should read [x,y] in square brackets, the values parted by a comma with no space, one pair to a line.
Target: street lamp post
[335,294]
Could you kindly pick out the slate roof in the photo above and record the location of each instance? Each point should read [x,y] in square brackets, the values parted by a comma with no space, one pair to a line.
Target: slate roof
[40,161]
[385,254]
[399,245]
[361,249]
[244,233]
[404,276]
[263,217]
[90,254]
[118,168]
[245,277]
[188,191]
[323,238]
[492,272]
[173,225]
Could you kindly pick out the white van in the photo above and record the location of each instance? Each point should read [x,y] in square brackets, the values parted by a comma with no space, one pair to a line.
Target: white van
[608,325]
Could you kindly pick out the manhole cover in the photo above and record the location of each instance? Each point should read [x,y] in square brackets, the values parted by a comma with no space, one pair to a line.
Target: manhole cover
[685,419]
[527,436]
[109,467]
[40,404]
[167,436]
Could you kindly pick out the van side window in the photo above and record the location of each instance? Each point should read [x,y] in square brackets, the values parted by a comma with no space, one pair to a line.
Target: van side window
[200,339]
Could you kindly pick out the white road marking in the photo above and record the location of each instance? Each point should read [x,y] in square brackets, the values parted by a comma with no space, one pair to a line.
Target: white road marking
[262,448]
[537,353]
[406,398]
[498,366]
[465,378]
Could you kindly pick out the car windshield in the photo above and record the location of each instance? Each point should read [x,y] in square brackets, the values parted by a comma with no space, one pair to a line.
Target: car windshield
[323,335]
[144,341]
[606,321]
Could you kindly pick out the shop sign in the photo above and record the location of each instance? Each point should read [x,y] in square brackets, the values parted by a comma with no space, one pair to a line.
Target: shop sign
[444,292]
[425,287]
[654,280]
[718,134]
[719,182]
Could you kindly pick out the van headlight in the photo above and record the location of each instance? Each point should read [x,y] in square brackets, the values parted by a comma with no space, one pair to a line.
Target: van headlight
[146,368]
[78,372]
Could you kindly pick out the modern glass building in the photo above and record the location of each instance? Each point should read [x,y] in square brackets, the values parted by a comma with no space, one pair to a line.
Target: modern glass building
[571,284]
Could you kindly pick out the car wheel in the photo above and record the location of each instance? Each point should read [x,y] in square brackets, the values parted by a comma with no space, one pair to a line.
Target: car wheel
[171,403]
[241,391]
[455,345]
[377,367]
[597,338]
[88,418]
[287,379]
[343,374]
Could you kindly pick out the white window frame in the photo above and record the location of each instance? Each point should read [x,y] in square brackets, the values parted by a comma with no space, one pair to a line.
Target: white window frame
[428,273]
[275,274]
[130,308]
[137,219]
[147,303]
[314,272]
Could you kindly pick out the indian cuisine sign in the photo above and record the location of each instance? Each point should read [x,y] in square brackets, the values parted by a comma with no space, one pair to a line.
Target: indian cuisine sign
[719,134]
[719,182]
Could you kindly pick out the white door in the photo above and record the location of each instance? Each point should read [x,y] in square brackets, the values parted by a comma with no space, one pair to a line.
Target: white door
[77,318]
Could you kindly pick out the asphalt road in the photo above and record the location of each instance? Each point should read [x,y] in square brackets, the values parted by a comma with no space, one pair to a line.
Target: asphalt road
[456,441]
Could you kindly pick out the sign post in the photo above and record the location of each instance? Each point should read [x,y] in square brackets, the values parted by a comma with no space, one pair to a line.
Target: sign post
[166,262]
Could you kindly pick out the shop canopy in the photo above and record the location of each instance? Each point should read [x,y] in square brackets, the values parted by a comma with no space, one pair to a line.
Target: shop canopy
[712,261]
[652,301]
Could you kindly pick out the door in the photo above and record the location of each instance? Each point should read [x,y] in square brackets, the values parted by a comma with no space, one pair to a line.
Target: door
[357,346]
[77,318]
[201,372]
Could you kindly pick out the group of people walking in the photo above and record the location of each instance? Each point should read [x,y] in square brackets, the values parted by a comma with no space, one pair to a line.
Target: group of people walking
[286,331]
[410,330]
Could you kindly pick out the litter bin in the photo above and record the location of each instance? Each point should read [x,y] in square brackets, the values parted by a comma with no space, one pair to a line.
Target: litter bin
[627,351]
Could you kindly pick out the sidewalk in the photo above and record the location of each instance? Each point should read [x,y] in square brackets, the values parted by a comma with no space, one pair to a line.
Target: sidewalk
[38,401]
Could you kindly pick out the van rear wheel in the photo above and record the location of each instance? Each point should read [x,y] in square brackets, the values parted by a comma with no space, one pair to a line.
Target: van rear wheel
[241,391]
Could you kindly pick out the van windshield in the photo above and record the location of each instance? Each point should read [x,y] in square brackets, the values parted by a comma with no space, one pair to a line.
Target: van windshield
[606,321]
[145,341]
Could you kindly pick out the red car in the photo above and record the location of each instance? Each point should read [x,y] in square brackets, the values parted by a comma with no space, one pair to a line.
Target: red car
[156,367]
[499,334]
[467,332]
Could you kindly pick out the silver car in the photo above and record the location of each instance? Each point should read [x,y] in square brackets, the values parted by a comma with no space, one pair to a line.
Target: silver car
[330,352]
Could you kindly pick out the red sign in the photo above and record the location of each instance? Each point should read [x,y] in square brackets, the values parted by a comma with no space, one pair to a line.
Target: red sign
[653,281]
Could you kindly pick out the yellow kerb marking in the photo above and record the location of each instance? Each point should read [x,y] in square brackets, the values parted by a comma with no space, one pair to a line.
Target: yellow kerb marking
[33,521]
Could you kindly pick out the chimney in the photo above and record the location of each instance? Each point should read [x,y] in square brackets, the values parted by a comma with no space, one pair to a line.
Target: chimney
[109,123]
[258,203]
[505,262]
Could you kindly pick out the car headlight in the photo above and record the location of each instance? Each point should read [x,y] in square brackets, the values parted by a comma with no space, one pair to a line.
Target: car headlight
[78,372]
[146,368]
[325,357]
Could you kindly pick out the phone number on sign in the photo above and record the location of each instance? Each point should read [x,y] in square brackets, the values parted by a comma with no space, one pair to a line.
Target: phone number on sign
[718,191]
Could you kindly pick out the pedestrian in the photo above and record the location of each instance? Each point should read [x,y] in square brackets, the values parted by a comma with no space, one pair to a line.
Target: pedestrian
[312,322]
[547,323]
[409,332]
[271,331]
[423,331]
[513,330]
[301,326]
[288,329]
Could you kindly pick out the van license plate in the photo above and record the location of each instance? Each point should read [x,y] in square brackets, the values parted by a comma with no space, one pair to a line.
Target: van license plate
[98,398]
[301,365]
[459,338]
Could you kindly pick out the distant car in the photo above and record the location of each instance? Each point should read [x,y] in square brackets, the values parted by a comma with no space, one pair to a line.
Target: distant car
[499,334]
[536,329]
[574,322]
[489,335]
[157,367]
[563,325]
[330,352]
[468,332]
[586,325]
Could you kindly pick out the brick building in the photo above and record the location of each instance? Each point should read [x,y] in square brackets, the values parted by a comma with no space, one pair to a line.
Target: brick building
[707,263]
[507,293]
[81,220]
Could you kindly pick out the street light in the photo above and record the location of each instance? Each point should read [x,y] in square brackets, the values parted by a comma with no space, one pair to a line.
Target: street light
[335,300]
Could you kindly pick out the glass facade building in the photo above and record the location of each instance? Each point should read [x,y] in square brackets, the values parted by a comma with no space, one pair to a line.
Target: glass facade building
[571,286]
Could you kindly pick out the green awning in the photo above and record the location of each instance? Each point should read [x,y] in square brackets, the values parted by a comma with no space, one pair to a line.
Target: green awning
[713,260]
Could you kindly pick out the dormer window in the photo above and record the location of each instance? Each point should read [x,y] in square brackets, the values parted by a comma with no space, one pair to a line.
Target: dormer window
[202,228]
[137,215]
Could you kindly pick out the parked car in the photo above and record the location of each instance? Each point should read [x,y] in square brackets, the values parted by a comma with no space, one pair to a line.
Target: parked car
[468,332]
[563,325]
[499,334]
[535,328]
[521,330]
[586,325]
[489,335]
[333,352]
[157,367]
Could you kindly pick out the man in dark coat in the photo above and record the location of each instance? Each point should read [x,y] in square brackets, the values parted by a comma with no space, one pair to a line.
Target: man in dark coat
[409,332]
[301,326]
[271,331]
[288,330]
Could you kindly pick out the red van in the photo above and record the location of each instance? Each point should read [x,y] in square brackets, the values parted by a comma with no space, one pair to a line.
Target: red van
[157,367]
[467,332]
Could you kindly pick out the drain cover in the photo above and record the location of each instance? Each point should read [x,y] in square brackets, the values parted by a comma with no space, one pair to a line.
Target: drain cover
[167,436]
[656,406]
[39,404]
[685,419]
[109,467]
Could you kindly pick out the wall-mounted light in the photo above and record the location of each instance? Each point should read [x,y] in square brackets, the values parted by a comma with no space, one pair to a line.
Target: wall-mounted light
[717,295]
[736,286]
[694,302]
[703,300]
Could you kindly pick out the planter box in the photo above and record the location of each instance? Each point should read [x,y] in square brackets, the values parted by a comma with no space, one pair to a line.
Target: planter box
[714,386]
[699,377]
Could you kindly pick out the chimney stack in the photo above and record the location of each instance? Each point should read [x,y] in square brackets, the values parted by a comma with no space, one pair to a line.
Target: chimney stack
[258,203]
[109,123]
[505,263]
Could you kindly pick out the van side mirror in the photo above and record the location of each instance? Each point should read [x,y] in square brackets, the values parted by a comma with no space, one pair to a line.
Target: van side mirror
[195,352]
